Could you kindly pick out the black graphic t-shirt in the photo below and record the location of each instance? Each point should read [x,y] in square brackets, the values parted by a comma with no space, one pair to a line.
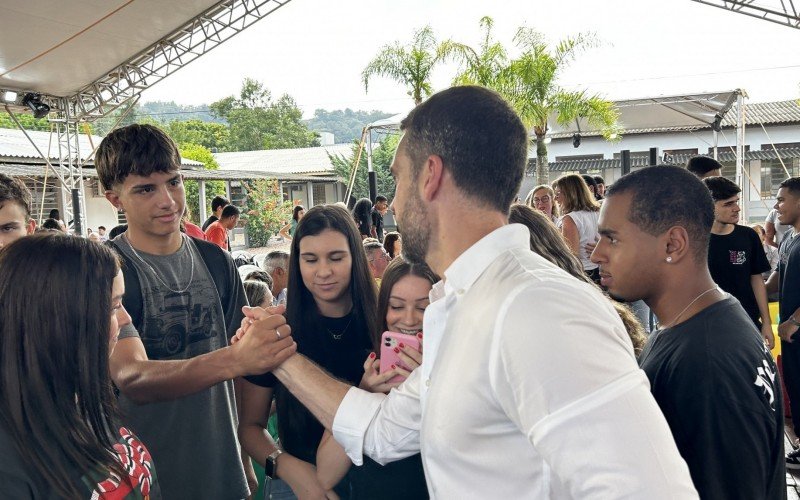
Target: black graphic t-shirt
[18,482]
[717,385]
[732,259]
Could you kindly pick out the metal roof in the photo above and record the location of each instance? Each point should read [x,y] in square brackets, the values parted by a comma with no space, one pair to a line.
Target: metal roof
[38,171]
[14,144]
[285,161]
[723,156]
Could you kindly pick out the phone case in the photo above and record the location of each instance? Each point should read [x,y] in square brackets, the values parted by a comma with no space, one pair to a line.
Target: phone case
[390,340]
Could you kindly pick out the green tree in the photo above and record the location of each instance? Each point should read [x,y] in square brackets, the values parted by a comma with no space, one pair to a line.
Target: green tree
[410,65]
[27,121]
[256,122]
[530,83]
[382,157]
[206,134]
[346,125]
[265,211]
[213,188]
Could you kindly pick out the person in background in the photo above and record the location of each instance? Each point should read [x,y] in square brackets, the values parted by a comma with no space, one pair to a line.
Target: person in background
[578,222]
[600,184]
[377,257]
[287,231]
[277,266]
[56,215]
[774,230]
[361,214]
[51,225]
[377,213]
[189,228]
[393,244]
[217,204]
[771,252]
[15,210]
[101,231]
[59,427]
[589,180]
[704,166]
[543,198]
[217,232]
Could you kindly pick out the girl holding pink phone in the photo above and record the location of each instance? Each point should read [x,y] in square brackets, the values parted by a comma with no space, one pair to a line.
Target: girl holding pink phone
[402,301]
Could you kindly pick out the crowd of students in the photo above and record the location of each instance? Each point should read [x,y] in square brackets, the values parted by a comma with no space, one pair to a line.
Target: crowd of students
[148,367]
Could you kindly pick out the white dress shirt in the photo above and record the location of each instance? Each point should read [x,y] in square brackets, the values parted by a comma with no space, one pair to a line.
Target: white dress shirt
[528,389]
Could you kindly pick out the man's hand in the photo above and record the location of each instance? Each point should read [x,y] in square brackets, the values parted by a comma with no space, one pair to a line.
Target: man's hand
[786,330]
[769,337]
[265,341]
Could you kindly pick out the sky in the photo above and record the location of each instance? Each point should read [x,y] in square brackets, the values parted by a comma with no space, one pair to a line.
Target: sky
[315,50]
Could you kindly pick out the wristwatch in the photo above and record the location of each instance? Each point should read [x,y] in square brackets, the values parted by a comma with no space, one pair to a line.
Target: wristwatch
[271,465]
[793,321]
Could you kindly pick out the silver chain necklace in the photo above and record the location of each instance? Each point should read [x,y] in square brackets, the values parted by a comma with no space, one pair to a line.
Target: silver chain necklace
[157,275]
[672,323]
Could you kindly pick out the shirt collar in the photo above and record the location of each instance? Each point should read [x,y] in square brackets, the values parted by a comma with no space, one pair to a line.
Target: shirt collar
[463,272]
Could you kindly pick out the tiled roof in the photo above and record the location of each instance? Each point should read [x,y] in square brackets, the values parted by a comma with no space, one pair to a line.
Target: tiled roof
[285,161]
[723,156]
[37,171]
[14,144]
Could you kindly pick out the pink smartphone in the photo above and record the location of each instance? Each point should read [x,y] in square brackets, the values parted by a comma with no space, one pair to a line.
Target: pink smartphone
[390,340]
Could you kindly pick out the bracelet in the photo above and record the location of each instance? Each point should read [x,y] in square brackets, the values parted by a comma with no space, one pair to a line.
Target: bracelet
[793,321]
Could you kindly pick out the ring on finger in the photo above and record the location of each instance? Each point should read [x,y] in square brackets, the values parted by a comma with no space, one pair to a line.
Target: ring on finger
[278,334]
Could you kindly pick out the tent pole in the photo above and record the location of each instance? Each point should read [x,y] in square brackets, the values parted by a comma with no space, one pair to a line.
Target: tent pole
[740,125]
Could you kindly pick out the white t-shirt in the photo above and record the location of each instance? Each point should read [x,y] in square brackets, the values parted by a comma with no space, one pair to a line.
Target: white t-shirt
[586,222]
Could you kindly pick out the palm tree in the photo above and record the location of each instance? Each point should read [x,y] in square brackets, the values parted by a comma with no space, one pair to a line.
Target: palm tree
[412,65]
[530,83]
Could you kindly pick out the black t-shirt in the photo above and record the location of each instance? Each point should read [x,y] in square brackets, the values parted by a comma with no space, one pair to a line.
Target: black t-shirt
[717,385]
[732,259]
[789,270]
[377,221]
[208,222]
[342,357]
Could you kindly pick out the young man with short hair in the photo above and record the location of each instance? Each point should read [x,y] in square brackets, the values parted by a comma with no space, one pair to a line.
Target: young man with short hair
[601,186]
[15,210]
[709,369]
[101,232]
[217,204]
[512,382]
[704,166]
[277,265]
[173,365]
[217,231]
[736,258]
[786,281]
[379,209]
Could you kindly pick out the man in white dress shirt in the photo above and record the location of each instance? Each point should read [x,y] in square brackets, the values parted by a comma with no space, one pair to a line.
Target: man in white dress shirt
[528,387]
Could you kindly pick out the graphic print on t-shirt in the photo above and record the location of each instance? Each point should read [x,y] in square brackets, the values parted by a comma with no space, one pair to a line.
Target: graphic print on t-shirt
[738,257]
[136,462]
[765,379]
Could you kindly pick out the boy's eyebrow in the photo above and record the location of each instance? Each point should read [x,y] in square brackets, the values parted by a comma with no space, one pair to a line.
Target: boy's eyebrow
[606,231]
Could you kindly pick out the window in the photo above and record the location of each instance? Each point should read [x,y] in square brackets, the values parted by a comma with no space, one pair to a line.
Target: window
[772,174]
[318,190]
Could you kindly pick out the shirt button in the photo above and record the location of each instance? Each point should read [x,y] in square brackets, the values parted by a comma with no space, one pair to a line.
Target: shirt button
[460,291]
[428,383]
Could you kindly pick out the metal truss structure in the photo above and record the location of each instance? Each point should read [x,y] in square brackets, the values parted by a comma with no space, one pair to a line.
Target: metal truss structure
[782,12]
[128,80]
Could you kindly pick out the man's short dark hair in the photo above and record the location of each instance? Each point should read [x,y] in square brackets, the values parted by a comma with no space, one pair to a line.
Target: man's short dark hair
[721,188]
[381,198]
[792,184]
[701,165]
[598,180]
[101,227]
[13,189]
[219,202]
[135,150]
[479,138]
[51,225]
[230,211]
[664,196]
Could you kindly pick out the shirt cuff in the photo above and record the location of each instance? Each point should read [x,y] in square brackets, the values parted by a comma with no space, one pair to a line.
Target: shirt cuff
[352,419]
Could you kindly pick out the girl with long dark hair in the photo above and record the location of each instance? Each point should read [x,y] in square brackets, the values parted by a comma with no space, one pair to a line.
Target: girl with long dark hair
[362,214]
[402,300]
[58,428]
[331,306]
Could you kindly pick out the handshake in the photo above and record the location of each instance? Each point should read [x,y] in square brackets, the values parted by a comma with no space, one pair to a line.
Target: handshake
[263,341]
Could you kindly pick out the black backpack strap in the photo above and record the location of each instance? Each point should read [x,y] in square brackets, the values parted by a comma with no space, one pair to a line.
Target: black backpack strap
[132,300]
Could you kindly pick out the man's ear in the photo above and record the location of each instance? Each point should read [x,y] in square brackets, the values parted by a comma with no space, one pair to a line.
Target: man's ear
[113,198]
[677,244]
[433,173]
[31,226]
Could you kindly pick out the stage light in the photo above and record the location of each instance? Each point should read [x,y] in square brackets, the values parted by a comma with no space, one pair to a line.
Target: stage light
[34,102]
[576,140]
[9,96]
